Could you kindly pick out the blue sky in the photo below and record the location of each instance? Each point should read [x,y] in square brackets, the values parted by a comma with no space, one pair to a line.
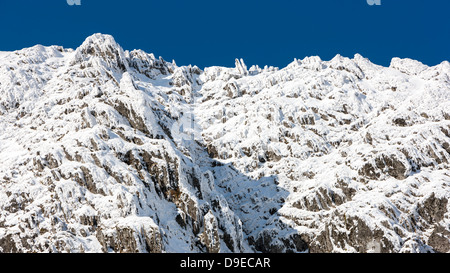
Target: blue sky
[263,32]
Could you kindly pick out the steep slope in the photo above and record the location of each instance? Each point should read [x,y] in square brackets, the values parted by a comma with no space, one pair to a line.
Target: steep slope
[361,150]
[106,150]
[94,167]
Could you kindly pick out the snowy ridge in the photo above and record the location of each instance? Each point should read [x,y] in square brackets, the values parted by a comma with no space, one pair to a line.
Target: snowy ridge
[109,150]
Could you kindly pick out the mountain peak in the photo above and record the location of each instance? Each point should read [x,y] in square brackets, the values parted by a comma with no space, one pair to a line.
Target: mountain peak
[102,47]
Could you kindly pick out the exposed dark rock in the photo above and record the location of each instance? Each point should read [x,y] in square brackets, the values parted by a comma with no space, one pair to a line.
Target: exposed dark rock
[272,156]
[87,181]
[359,236]
[307,120]
[127,240]
[384,164]
[440,240]
[395,168]
[212,151]
[232,90]
[134,119]
[433,209]
[7,244]
[52,162]
[400,122]
[268,241]
[369,171]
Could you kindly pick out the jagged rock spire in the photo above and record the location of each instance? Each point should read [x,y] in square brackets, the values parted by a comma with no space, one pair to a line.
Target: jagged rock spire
[241,67]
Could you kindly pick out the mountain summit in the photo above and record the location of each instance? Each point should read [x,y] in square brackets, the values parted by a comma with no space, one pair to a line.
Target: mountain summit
[107,150]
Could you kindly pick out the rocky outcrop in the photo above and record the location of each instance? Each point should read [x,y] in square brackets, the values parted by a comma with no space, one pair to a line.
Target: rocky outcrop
[439,240]
[384,165]
[320,156]
[433,209]
[130,239]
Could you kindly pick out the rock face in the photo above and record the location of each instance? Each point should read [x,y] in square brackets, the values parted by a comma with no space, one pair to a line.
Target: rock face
[106,150]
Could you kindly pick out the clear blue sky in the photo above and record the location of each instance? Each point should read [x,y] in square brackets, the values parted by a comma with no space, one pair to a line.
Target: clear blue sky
[263,32]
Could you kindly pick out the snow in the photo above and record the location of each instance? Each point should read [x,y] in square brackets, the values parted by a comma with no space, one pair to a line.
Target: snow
[106,134]
[4,54]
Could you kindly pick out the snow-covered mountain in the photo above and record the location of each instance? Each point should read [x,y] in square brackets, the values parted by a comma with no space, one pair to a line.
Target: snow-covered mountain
[107,150]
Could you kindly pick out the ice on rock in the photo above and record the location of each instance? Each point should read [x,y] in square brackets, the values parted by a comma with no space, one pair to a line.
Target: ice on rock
[408,66]
[241,67]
